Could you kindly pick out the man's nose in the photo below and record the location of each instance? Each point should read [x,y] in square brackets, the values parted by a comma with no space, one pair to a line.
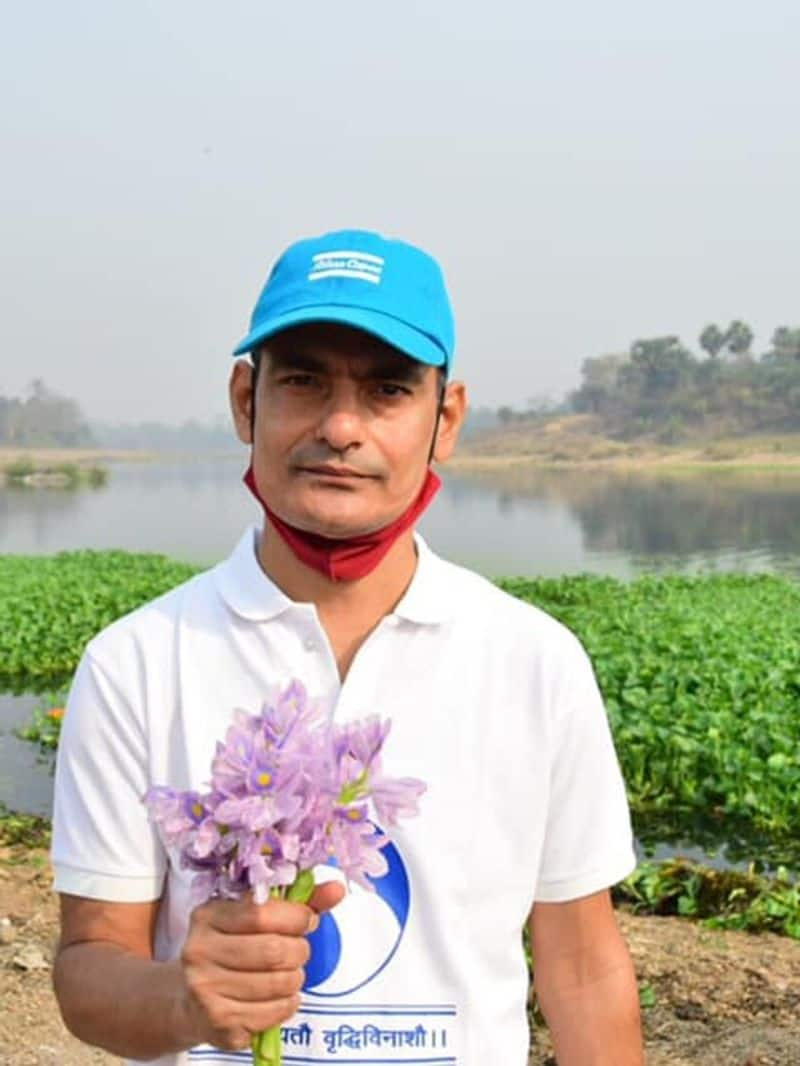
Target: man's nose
[341,422]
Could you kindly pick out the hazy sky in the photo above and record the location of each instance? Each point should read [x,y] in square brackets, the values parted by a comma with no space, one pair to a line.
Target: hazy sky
[587,173]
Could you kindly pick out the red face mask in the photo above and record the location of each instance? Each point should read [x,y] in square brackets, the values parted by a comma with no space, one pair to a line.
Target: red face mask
[353,557]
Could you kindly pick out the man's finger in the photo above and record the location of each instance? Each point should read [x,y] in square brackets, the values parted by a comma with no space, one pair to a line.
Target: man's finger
[243,1019]
[259,951]
[263,988]
[245,916]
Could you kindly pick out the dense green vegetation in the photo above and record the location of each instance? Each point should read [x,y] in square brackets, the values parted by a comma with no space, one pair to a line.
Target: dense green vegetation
[702,684]
[726,899]
[661,388]
[30,830]
[51,606]
[700,676]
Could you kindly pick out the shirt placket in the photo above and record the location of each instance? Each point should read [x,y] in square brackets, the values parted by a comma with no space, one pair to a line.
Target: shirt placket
[316,665]
[351,696]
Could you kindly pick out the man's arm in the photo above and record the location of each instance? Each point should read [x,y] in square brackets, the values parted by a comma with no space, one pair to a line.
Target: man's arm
[240,972]
[585,983]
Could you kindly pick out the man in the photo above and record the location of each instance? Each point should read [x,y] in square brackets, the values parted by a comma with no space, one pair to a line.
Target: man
[346,404]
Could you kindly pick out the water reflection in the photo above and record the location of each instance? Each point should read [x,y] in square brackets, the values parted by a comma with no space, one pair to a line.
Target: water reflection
[26,783]
[191,508]
[516,521]
[37,511]
[746,520]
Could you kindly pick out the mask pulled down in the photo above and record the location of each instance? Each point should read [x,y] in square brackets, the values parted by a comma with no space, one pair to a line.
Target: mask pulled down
[353,557]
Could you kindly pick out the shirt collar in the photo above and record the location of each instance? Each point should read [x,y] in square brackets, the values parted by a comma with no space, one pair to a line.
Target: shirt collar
[248,591]
[429,599]
[245,587]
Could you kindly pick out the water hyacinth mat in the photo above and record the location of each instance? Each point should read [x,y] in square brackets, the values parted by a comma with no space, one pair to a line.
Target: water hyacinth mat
[700,676]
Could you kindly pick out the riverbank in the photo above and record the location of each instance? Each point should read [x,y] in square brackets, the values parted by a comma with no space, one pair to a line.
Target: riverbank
[578,441]
[710,997]
[45,457]
[55,468]
[567,441]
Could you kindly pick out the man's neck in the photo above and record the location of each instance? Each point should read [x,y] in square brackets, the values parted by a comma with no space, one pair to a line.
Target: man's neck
[348,610]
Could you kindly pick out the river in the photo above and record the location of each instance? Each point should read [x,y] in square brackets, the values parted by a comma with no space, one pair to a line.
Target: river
[517,522]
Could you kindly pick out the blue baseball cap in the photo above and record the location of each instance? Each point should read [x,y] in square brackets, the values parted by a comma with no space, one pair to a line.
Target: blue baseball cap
[357,278]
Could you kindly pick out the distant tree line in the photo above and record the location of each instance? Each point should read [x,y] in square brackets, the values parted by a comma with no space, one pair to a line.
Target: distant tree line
[45,419]
[660,387]
[191,435]
[42,419]
[535,408]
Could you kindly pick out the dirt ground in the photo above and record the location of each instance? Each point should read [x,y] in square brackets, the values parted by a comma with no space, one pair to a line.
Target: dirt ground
[717,998]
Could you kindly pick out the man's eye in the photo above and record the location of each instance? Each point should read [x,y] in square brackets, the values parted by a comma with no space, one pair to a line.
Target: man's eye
[391,389]
[297,380]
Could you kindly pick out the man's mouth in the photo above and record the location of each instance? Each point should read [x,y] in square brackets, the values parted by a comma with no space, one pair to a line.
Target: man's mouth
[331,470]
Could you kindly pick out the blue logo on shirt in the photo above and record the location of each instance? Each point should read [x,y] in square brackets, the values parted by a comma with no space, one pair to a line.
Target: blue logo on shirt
[357,940]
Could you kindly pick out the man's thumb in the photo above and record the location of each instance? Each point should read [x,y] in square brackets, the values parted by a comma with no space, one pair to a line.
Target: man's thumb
[323,898]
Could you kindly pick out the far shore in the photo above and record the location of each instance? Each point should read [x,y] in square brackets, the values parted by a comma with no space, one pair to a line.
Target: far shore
[663,462]
[578,441]
[43,457]
[81,456]
[545,451]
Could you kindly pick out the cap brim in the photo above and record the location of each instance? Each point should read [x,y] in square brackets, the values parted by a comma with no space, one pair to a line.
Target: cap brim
[408,340]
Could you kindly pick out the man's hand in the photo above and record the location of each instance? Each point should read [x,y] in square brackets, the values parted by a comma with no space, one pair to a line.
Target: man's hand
[240,972]
[242,964]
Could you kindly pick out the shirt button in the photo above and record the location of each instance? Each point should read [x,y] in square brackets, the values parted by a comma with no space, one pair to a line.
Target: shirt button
[310,644]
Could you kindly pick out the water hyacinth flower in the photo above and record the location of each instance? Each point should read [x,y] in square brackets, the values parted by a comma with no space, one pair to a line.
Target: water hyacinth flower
[289,791]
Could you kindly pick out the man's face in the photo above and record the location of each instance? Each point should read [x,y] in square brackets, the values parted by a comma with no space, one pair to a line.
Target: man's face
[343,428]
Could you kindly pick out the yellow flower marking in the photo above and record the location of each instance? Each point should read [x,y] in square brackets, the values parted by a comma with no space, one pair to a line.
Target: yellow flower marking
[264,779]
[197,809]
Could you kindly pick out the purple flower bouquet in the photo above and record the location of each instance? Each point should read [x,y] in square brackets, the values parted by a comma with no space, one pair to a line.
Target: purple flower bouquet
[289,791]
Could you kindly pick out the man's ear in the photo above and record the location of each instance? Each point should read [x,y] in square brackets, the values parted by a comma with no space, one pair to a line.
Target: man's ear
[454,410]
[240,391]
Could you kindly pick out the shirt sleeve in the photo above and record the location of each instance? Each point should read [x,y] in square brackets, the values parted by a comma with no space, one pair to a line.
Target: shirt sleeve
[588,842]
[104,845]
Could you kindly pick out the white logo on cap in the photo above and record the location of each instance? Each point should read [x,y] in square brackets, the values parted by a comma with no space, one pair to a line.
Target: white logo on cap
[359,265]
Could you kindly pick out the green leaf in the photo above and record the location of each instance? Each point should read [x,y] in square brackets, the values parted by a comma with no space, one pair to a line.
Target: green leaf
[647,996]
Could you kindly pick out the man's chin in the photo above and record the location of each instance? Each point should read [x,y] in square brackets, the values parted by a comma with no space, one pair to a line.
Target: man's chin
[339,516]
[338,529]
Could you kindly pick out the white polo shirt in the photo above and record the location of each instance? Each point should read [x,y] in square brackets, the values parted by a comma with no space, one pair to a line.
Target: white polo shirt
[493,704]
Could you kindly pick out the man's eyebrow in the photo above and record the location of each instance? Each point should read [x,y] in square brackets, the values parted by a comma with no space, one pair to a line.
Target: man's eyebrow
[376,367]
[295,359]
[396,369]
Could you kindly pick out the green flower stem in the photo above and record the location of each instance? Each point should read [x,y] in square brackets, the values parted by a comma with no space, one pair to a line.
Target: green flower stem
[266,1047]
[303,888]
